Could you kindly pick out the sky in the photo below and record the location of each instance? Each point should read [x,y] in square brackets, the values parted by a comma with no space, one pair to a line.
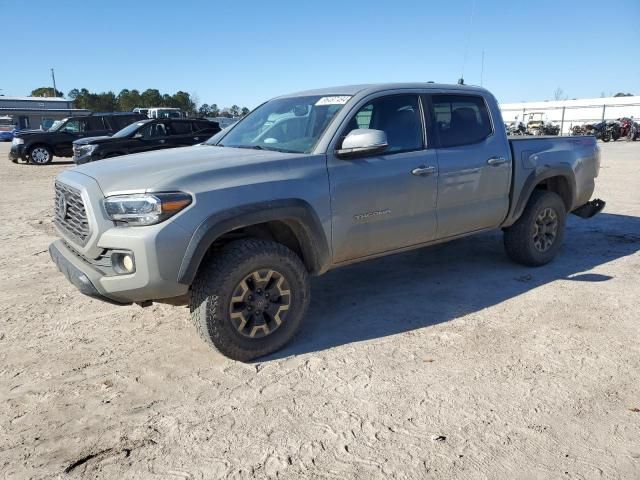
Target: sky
[245,52]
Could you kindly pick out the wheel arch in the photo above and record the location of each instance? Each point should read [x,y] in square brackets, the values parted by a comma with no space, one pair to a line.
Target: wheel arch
[560,180]
[291,222]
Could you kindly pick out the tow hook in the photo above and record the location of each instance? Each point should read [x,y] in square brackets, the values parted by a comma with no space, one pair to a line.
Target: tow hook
[590,209]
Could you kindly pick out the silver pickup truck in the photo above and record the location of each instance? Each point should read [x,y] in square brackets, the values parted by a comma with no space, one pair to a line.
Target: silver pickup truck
[305,183]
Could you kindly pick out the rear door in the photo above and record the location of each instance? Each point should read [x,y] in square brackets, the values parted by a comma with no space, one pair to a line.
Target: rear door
[96,127]
[386,201]
[180,133]
[474,164]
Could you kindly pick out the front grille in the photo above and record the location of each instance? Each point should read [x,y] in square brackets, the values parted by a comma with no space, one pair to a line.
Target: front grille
[70,214]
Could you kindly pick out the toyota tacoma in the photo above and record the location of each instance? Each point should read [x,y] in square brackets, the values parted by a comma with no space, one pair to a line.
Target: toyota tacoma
[308,182]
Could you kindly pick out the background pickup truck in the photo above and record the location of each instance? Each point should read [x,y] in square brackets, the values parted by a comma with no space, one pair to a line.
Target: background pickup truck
[305,183]
[39,147]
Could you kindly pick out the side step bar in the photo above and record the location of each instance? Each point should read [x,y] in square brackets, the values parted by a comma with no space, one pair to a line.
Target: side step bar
[590,209]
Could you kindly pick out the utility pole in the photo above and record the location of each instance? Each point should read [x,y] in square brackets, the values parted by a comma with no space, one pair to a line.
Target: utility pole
[53,77]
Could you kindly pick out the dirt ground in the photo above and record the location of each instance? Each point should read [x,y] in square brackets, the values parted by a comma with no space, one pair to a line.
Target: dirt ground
[449,362]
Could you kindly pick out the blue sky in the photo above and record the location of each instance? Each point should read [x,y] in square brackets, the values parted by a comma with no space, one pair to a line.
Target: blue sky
[244,52]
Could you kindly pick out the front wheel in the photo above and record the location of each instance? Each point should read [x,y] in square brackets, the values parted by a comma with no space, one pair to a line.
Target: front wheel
[248,300]
[40,155]
[536,237]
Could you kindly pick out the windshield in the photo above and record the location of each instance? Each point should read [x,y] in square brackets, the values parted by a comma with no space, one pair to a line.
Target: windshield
[284,124]
[128,130]
[56,125]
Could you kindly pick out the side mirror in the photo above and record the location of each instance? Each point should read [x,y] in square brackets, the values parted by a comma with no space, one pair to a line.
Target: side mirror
[361,142]
[138,136]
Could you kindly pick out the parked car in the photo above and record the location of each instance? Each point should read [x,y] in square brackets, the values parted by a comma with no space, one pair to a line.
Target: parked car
[306,183]
[39,147]
[7,128]
[144,136]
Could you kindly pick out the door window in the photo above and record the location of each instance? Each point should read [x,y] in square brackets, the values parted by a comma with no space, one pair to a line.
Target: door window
[75,126]
[180,128]
[153,130]
[398,116]
[95,123]
[460,119]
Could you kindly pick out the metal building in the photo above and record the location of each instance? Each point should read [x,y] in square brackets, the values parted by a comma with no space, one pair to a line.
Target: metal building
[37,112]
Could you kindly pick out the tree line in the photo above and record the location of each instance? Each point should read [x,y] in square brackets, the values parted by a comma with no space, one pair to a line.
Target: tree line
[127,100]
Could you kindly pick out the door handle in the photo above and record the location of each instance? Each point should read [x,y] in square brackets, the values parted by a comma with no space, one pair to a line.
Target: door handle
[494,161]
[162,141]
[196,138]
[423,171]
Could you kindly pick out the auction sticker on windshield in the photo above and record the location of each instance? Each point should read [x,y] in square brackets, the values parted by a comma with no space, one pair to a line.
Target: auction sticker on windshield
[338,100]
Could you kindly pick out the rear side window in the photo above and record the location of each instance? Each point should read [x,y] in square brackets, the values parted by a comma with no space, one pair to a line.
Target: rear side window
[205,128]
[460,119]
[118,122]
[95,123]
[180,128]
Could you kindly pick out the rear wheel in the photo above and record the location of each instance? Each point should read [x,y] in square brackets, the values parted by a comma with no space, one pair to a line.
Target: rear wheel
[536,237]
[248,300]
[40,155]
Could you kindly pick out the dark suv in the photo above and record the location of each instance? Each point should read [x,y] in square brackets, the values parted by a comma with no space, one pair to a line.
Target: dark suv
[39,147]
[144,136]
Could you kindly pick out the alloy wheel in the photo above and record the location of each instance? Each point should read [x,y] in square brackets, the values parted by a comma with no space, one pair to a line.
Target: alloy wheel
[260,303]
[40,155]
[545,230]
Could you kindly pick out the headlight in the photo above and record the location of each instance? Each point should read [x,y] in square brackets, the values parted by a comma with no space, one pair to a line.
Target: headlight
[145,209]
[84,149]
[17,141]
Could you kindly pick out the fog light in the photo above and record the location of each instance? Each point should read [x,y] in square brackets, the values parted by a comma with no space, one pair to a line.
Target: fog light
[123,262]
[127,263]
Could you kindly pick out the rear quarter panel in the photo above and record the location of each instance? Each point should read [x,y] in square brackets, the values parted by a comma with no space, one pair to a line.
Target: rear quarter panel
[577,158]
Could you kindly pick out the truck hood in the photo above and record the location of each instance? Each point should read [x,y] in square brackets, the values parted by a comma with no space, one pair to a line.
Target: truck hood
[153,171]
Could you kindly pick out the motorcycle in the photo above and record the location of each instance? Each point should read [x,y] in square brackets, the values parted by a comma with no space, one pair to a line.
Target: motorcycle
[516,128]
[600,131]
[578,130]
[628,129]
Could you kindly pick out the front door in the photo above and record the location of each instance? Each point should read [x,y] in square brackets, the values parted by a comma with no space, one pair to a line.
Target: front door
[474,165]
[386,201]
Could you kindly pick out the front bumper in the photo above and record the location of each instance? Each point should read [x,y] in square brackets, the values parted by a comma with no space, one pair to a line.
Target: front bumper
[79,273]
[17,152]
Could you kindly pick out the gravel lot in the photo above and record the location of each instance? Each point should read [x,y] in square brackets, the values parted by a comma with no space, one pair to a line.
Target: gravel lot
[449,362]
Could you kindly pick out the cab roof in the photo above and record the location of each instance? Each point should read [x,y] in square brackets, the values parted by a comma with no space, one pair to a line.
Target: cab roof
[381,87]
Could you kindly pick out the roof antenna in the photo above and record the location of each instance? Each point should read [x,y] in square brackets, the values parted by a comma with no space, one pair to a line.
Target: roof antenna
[466,48]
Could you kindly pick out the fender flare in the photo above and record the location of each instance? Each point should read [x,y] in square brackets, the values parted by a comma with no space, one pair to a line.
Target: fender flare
[538,175]
[297,213]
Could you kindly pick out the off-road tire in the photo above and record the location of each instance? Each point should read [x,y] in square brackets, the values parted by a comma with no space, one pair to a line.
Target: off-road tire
[519,238]
[33,151]
[214,286]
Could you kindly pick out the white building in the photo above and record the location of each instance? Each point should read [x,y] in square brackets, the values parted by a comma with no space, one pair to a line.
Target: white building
[567,113]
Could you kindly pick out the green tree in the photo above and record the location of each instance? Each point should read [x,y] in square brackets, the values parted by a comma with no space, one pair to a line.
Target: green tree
[234,110]
[244,111]
[46,92]
[204,110]
[622,94]
[214,111]
[127,100]
[151,98]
